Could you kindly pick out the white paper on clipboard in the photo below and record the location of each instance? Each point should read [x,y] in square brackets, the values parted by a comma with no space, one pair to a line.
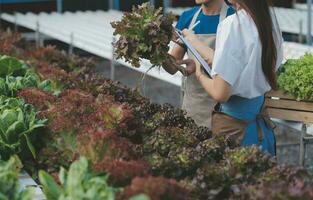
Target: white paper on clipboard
[195,53]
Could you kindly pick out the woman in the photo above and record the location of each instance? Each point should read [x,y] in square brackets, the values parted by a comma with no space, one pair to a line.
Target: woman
[248,53]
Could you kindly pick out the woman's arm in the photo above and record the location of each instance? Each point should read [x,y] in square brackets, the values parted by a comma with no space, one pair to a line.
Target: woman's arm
[217,88]
[204,50]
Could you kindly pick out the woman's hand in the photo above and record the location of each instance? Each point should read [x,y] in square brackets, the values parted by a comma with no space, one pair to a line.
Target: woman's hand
[205,51]
[190,66]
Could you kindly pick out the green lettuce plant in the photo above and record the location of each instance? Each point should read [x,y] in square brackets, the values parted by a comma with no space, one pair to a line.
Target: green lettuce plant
[78,183]
[9,181]
[296,77]
[10,66]
[16,75]
[14,84]
[17,124]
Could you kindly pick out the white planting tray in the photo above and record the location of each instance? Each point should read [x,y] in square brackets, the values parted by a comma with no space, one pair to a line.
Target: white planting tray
[27,181]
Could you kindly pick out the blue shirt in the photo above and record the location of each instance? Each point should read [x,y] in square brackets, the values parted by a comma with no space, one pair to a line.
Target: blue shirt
[208,23]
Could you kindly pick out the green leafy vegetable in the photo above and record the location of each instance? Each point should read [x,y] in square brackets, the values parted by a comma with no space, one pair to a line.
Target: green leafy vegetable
[144,33]
[78,183]
[9,181]
[10,66]
[140,197]
[15,75]
[296,77]
[17,123]
[14,84]
[51,86]
[4,90]
[171,144]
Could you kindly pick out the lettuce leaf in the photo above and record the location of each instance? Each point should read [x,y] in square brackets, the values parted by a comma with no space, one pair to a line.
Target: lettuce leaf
[10,66]
[78,183]
[296,77]
[17,123]
[144,33]
[9,181]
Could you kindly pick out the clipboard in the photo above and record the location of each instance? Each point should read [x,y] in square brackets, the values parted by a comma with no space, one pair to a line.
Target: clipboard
[202,62]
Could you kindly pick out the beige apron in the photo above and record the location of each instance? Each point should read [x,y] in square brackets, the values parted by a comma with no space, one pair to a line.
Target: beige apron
[196,101]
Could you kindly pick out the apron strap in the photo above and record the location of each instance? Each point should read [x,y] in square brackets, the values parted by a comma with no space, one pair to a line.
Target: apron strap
[268,123]
[193,21]
[223,13]
[195,16]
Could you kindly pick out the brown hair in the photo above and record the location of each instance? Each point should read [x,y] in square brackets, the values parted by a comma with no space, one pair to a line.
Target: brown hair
[259,10]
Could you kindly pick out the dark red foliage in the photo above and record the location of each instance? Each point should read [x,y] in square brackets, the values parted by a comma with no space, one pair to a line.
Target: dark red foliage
[157,188]
[76,109]
[121,172]
[39,98]
[9,42]
[76,97]
[80,120]
[52,157]
[99,144]
[287,173]
[278,190]
[43,53]
[97,84]
[70,111]
[111,115]
[69,63]
[50,71]
[56,178]
[280,182]
[170,116]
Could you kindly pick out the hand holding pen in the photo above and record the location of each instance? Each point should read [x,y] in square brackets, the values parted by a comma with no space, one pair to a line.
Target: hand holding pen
[189,32]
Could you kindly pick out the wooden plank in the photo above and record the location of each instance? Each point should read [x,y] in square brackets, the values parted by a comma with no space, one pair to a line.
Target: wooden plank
[291,105]
[287,144]
[291,115]
[280,94]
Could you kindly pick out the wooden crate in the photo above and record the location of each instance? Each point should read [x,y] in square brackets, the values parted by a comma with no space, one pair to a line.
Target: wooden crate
[280,105]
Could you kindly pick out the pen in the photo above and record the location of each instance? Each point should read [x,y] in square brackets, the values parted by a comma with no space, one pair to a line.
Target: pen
[196,24]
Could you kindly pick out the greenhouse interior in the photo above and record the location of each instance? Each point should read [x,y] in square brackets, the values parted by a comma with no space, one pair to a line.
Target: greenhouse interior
[156,100]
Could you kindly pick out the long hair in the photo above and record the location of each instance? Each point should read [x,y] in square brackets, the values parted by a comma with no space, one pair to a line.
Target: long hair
[259,10]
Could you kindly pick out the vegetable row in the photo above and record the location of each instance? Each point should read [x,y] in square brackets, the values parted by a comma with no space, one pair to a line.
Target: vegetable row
[96,139]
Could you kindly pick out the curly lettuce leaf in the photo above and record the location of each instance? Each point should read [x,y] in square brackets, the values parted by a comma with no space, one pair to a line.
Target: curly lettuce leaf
[145,33]
[296,77]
